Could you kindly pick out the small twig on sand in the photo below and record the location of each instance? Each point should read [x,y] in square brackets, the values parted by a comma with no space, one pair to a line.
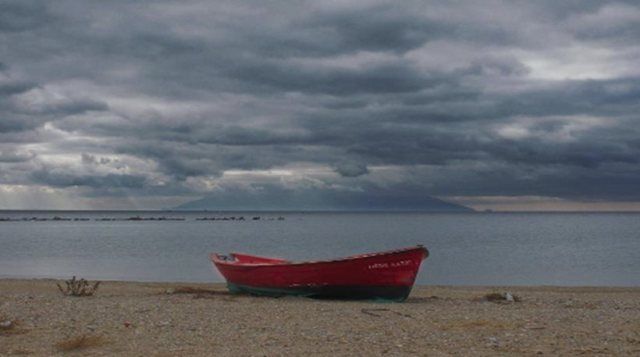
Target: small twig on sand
[368,311]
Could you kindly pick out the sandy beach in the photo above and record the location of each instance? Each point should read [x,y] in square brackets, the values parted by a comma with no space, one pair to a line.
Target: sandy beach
[159,319]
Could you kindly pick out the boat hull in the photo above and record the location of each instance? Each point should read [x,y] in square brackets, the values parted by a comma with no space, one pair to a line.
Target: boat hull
[380,276]
[337,292]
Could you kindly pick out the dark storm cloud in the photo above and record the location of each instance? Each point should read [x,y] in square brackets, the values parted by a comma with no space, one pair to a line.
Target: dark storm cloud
[21,15]
[11,88]
[351,169]
[382,27]
[17,117]
[25,105]
[381,79]
[442,98]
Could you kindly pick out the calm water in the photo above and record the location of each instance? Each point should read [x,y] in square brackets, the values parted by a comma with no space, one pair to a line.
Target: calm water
[466,249]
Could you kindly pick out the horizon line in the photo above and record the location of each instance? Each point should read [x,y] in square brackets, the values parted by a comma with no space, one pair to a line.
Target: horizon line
[471,210]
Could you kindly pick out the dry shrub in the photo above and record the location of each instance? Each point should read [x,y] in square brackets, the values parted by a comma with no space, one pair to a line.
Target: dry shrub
[79,287]
[80,342]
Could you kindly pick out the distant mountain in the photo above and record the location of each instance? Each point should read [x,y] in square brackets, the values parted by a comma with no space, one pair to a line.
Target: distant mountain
[278,199]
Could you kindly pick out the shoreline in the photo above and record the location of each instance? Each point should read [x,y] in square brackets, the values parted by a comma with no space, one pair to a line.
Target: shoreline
[222,285]
[164,319]
[420,286]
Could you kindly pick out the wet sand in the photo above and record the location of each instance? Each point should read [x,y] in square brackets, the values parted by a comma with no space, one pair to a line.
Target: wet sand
[155,319]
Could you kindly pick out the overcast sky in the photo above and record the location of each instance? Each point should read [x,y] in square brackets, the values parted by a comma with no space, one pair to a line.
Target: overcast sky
[150,104]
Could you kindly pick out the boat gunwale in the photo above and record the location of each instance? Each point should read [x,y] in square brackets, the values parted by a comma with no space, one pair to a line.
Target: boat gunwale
[214,258]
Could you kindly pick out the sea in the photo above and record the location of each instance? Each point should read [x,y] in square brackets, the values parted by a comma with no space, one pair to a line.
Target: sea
[489,249]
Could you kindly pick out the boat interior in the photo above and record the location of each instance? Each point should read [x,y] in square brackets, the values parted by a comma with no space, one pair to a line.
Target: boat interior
[243,259]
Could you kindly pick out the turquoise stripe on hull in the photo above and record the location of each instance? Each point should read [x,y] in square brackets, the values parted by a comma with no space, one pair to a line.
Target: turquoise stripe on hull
[377,293]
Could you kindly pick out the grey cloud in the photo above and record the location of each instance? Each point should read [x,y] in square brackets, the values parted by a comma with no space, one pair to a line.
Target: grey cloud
[21,15]
[88,159]
[15,123]
[64,108]
[17,117]
[15,156]
[381,79]
[23,107]
[351,169]
[577,183]
[613,20]
[382,27]
[11,88]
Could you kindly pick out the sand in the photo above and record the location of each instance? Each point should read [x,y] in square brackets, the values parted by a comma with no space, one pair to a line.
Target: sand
[153,319]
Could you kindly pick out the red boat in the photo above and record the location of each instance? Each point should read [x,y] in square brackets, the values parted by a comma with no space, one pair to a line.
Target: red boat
[386,275]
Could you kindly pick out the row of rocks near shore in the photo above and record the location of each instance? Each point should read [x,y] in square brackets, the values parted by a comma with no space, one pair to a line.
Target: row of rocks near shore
[136,218]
